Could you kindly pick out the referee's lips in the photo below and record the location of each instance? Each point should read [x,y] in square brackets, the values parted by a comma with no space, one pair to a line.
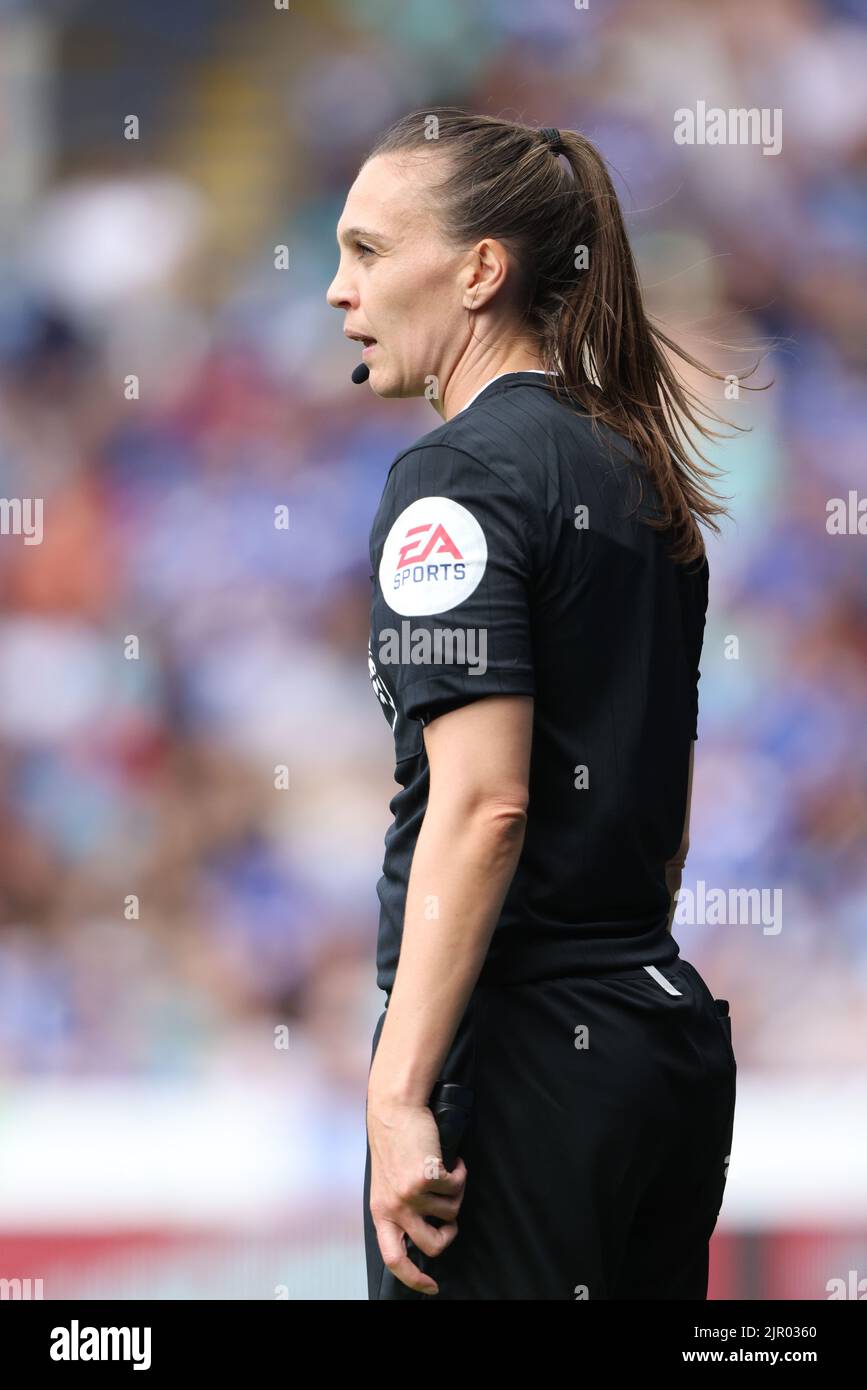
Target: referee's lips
[360,338]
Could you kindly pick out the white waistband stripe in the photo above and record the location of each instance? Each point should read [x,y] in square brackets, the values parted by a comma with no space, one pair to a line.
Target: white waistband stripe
[660,979]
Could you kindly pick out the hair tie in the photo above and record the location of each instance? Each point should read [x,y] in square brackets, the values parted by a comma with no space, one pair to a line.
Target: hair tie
[551,135]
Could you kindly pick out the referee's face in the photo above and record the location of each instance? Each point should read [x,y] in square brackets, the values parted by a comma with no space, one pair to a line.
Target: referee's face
[397,281]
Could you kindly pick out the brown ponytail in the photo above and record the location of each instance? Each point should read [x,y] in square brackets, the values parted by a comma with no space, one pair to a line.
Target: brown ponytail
[589,324]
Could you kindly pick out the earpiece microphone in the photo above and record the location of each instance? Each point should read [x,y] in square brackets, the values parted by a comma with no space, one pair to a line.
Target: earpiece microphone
[360,373]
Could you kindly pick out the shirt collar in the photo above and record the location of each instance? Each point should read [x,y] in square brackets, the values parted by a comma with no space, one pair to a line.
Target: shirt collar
[535,370]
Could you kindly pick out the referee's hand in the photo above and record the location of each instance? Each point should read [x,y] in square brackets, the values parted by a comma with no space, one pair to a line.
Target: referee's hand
[409,1182]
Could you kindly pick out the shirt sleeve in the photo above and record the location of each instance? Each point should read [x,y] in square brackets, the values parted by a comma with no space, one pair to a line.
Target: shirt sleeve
[453,557]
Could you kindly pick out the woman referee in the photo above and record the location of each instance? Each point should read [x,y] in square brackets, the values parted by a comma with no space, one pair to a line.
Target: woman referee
[540,589]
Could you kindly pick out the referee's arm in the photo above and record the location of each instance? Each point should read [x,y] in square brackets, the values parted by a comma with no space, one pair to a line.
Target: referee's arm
[464,861]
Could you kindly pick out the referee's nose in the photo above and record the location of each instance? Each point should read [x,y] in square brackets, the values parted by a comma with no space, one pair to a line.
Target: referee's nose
[341,296]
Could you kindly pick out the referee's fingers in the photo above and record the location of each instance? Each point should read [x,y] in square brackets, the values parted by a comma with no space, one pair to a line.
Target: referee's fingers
[392,1248]
[432,1204]
[450,1183]
[431,1240]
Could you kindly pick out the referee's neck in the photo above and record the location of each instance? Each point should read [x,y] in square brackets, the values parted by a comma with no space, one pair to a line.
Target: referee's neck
[465,383]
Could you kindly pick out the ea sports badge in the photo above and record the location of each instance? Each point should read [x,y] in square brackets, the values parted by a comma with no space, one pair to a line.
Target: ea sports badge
[433,558]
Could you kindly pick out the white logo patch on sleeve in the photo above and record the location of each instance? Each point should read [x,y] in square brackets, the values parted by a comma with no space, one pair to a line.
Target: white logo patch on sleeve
[433,558]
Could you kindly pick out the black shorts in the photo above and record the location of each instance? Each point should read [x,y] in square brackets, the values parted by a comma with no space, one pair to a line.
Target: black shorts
[597,1145]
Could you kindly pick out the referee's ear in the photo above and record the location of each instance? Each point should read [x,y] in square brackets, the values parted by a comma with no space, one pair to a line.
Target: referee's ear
[486,272]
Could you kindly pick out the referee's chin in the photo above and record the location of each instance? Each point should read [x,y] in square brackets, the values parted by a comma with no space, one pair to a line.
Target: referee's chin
[382,385]
[395,385]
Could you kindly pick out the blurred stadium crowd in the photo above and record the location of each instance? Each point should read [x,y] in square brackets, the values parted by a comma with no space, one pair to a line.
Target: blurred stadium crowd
[153,773]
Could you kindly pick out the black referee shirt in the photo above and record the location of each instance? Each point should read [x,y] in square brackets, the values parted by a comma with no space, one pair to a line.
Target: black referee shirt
[508,558]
